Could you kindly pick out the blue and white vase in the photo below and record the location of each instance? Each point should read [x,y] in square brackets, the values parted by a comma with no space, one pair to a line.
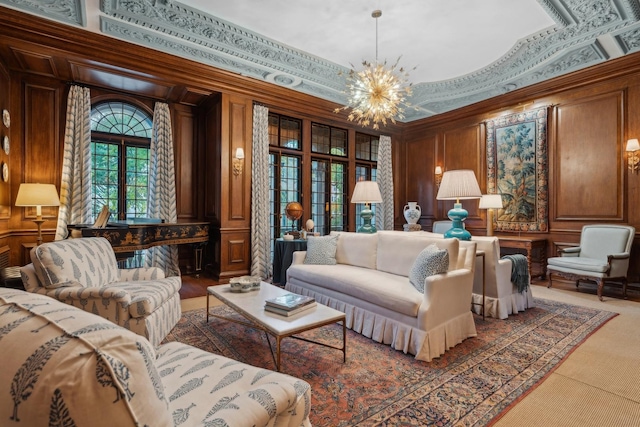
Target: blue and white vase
[412,212]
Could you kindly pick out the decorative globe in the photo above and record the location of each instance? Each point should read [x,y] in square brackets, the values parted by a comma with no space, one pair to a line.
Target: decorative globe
[293,210]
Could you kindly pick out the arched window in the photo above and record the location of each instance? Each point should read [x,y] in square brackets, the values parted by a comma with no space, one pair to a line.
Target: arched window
[120,138]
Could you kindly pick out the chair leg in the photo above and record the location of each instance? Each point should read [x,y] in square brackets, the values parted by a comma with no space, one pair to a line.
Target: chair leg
[600,283]
[549,275]
[624,288]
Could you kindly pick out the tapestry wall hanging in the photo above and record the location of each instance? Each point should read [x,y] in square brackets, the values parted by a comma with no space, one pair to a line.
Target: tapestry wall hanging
[517,169]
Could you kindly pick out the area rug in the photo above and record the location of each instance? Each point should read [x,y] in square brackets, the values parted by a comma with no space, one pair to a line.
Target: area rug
[469,385]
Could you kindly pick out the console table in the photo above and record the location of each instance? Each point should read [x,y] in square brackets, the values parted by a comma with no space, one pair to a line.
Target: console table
[535,249]
[283,256]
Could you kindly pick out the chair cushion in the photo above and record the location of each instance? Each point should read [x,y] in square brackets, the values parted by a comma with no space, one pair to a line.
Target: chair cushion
[430,261]
[579,263]
[147,296]
[321,250]
[87,262]
[66,366]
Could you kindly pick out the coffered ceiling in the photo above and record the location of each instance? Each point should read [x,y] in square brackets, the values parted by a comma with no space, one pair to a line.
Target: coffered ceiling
[457,52]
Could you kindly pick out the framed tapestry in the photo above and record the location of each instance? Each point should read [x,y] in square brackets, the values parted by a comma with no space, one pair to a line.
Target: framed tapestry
[517,169]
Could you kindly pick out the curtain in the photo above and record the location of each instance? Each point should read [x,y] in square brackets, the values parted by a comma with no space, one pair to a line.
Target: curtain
[260,233]
[162,187]
[384,211]
[75,185]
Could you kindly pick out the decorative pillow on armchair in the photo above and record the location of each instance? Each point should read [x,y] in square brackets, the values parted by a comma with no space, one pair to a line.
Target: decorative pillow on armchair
[321,250]
[429,261]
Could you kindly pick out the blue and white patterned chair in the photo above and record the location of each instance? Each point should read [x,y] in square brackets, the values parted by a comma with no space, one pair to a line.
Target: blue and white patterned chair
[84,273]
[65,366]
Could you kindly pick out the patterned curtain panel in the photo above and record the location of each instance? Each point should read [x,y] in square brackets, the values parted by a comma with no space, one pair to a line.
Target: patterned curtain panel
[162,188]
[75,186]
[260,244]
[384,211]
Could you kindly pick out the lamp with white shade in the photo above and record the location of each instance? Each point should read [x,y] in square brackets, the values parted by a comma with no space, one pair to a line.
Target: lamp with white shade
[366,192]
[490,202]
[37,195]
[458,185]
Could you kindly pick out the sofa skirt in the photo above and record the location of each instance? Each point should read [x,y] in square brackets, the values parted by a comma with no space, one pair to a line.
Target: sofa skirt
[390,328]
[501,308]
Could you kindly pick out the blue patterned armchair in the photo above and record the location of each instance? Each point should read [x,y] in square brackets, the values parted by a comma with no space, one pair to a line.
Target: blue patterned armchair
[84,273]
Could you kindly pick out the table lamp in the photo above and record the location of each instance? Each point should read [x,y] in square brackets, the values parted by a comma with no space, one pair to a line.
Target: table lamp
[366,192]
[458,185]
[490,202]
[38,195]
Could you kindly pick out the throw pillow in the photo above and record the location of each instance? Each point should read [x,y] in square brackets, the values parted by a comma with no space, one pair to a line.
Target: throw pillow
[429,261]
[321,250]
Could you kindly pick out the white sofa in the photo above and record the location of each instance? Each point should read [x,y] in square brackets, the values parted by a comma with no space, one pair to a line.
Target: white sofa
[65,366]
[370,284]
[84,273]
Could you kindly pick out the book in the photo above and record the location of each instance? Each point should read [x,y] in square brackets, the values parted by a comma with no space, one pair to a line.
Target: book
[289,301]
[288,313]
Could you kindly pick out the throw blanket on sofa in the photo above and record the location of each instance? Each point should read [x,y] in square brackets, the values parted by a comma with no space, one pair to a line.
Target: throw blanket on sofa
[519,271]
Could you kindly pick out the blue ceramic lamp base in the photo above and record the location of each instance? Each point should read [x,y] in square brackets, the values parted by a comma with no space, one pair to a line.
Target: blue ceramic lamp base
[458,215]
[367,215]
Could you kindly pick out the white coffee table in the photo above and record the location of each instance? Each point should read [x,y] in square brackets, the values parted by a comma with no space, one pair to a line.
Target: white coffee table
[251,306]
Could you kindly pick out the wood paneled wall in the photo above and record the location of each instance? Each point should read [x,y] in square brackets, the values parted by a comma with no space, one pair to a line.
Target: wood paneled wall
[592,114]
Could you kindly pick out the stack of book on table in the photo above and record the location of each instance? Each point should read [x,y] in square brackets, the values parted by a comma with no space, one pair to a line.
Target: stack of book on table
[289,304]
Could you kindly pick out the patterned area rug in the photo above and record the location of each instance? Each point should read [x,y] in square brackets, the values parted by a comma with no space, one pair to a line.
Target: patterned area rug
[469,385]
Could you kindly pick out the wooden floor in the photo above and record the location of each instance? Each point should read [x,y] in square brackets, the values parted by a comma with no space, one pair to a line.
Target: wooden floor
[193,287]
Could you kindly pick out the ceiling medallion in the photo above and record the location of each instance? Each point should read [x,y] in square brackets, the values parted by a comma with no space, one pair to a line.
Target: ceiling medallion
[377,93]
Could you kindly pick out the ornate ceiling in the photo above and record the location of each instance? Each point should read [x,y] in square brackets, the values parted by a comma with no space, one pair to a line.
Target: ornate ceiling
[581,33]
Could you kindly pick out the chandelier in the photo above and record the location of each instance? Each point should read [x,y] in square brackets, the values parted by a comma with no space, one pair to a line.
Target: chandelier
[376,93]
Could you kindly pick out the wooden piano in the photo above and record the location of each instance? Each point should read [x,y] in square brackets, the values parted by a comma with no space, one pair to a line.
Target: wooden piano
[129,236]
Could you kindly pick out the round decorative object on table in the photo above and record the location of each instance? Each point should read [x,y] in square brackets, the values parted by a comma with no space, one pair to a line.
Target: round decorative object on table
[5,144]
[293,210]
[412,212]
[5,172]
[6,118]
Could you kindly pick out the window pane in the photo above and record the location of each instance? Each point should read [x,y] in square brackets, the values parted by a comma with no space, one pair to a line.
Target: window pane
[120,119]
[366,147]
[320,139]
[328,196]
[125,160]
[285,186]
[285,131]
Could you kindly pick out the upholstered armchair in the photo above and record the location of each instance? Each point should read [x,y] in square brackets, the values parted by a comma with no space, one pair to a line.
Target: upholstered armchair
[84,273]
[501,296]
[443,226]
[603,255]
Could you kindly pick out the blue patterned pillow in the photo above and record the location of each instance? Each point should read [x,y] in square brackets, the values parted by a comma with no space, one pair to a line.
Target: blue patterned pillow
[321,250]
[429,261]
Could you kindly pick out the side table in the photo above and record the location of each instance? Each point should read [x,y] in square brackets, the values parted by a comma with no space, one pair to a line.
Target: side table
[412,227]
[535,249]
[10,278]
[283,256]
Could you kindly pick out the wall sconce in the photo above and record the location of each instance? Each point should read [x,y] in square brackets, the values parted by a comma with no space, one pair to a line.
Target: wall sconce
[633,159]
[438,176]
[238,161]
